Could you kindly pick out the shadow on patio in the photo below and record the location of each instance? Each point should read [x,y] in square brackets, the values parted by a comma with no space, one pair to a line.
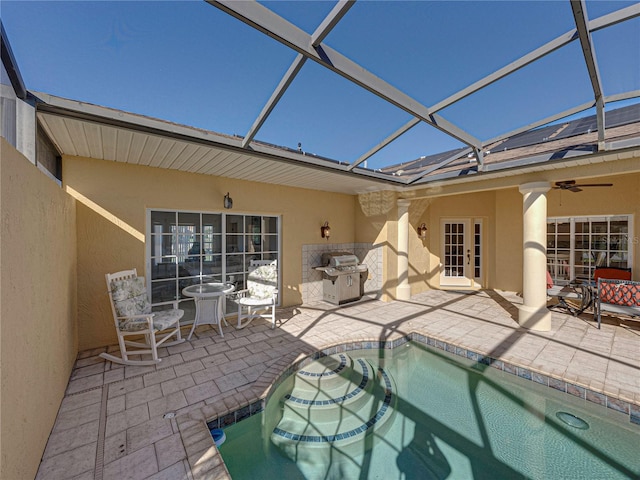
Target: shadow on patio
[149,422]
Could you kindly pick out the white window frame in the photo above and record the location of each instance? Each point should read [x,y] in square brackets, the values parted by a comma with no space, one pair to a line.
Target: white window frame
[571,264]
[224,275]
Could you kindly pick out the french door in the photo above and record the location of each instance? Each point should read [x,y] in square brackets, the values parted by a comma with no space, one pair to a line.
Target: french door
[458,259]
[462,253]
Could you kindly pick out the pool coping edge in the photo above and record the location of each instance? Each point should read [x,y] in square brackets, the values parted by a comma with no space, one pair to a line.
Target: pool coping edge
[206,462]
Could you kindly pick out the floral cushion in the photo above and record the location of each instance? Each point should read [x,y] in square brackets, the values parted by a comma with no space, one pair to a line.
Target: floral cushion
[255,302]
[132,324]
[130,297]
[262,282]
[164,319]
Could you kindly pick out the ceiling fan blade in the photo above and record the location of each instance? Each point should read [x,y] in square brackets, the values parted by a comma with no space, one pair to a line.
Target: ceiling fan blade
[595,185]
[572,186]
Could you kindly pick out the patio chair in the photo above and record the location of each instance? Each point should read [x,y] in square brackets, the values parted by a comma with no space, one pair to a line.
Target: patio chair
[132,316]
[577,294]
[612,273]
[259,299]
[617,297]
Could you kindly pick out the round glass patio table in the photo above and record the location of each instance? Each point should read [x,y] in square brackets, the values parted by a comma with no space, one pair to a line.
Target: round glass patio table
[208,299]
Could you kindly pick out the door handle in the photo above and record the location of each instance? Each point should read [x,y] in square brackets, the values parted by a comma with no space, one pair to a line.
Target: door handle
[468,257]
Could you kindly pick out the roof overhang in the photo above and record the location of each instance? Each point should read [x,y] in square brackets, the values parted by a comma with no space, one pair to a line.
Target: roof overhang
[85,130]
[622,160]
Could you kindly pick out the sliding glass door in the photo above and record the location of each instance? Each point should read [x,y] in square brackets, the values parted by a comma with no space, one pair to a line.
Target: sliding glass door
[576,246]
[187,248]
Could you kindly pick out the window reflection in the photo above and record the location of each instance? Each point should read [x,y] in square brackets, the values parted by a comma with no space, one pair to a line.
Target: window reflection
[189,248]
[577,246]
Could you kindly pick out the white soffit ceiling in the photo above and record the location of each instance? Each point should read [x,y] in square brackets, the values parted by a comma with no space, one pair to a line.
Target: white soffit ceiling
[85,138]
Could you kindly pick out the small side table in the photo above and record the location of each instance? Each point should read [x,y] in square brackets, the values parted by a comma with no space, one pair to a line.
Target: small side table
[207,297]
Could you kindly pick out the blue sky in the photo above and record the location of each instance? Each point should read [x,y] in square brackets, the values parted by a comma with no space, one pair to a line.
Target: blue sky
[189,63]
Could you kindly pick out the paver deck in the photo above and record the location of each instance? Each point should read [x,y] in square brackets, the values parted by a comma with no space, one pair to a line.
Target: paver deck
[113,421]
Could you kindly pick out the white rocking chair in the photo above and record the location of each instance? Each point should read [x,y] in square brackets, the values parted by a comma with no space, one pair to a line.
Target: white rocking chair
[133,316]
[259,299]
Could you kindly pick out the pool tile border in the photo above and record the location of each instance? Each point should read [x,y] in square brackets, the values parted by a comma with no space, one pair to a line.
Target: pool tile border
[337,400]
[579,391]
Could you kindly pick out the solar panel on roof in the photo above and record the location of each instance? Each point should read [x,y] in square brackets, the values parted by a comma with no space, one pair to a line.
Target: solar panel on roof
[422,161]
[613,118]
[623,116]
[578,127]
[532,137]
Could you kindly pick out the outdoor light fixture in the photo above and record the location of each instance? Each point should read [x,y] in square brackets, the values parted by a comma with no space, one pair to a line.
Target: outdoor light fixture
[325,230]
[422,231]
[228,202]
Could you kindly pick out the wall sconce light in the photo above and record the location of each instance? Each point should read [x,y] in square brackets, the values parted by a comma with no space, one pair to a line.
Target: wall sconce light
[325,230]
[228,201]
[422,231]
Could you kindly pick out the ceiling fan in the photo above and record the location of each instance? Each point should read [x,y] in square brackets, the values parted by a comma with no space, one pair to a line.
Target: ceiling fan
[572,186]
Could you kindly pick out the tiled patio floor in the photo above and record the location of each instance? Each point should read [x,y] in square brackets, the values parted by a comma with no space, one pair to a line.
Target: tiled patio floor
[112,425]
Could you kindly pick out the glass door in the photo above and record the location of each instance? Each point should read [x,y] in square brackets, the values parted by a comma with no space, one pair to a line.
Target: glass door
[478,267]
[187,248]
[559,257]
[457,269]
[577,246]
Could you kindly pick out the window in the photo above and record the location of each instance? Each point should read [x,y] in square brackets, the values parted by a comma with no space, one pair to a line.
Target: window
[454,245]
[577,245]
[187,248]
[477,251]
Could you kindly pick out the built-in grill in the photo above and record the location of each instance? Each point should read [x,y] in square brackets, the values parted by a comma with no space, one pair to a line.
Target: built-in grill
[343,277]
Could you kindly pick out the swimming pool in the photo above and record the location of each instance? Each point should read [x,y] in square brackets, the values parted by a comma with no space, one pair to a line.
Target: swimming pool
[443,416]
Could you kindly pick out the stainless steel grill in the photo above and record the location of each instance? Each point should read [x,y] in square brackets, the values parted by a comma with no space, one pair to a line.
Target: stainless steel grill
[343,277]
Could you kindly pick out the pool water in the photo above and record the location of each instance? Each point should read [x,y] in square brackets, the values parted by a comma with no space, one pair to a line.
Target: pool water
[452,418]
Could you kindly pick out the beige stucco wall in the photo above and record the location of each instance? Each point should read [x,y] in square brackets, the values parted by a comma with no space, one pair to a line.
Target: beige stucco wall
[113,199]
[500,209]
[376,216]
[38,335]
[473,206]
[377,222]
[112,203]
[621,199]
[508,248]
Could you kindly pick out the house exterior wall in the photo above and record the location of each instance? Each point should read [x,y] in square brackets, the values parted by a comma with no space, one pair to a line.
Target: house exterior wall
[500,210]
[112,203]
[376,223]
[38,334]
[113,198]
[508,249]
[622,198]
[481,206]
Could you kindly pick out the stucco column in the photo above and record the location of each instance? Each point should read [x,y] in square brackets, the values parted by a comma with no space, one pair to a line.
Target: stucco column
[403,290]
[534,313]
